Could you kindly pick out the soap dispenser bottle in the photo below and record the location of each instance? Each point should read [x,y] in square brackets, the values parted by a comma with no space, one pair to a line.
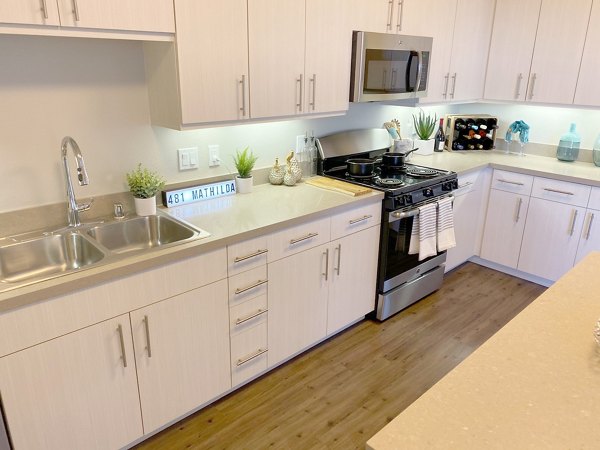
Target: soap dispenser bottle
[568,147]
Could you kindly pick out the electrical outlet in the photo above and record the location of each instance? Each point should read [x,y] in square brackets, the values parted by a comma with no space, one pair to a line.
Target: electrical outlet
[187,158]
[213,156]
[300,143]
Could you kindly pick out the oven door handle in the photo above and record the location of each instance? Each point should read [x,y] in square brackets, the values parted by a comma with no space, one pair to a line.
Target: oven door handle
[399,215]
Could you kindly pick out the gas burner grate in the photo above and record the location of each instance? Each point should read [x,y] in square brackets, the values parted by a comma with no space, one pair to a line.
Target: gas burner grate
[421,172]
[389,182]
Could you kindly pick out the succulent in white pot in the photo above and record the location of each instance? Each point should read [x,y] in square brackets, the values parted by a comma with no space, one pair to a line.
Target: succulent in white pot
[424,128]
[144,184]
[244,163]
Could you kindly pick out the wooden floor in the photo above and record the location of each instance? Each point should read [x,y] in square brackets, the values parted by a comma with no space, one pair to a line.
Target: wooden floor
[340,393]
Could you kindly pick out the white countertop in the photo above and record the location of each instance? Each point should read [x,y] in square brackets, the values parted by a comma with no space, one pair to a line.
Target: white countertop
[533,385]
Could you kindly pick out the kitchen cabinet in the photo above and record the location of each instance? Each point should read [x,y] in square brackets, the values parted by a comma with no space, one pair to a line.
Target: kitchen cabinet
[505,218]
[392,16]
[523,62]
[590,236]
[588,89]
[76,391]
[29,12]
[554,223]
[181,353]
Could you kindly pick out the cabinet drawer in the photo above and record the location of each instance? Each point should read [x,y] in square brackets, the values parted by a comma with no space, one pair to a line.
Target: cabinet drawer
[355,220]
[248,285]
[246,255]
[296,239]
[512,182]
[248,314]
[561,191]
[594,202]
[467,183]
[248,353]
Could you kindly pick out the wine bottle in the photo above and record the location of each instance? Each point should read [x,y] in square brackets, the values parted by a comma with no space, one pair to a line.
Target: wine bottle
[481,124]
[458,143]
[440,138]
[492,123]
[460,125]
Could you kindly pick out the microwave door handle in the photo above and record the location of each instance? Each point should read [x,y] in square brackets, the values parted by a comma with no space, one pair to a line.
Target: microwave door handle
[419,72]
[408,67]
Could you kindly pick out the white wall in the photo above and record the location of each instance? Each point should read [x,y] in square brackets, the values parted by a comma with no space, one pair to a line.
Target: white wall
[95,91]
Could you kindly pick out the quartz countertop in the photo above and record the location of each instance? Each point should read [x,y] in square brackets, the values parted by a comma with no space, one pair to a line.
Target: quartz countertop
[533,385]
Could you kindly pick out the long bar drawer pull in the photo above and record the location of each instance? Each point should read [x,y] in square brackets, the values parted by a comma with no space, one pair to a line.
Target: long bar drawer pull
[251,255]
[252,286]
[589,227]
[147,326]
[44,9]
[517,183]
[250,357]
[242,320]
[559,192]
[362,219]
[518,212]
[573,219]
[303,238]
[76,10]
[122,342]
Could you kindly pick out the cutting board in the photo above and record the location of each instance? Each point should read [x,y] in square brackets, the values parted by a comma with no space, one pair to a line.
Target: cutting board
[338,186]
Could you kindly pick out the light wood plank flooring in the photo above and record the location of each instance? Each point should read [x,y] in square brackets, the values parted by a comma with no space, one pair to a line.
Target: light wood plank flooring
[340,393]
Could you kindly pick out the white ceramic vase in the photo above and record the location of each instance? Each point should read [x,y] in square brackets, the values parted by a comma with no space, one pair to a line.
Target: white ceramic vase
[145,206]
[243,185]
[425,146]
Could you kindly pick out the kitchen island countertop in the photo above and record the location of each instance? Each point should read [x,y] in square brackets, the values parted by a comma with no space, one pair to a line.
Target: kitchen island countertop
[534,384]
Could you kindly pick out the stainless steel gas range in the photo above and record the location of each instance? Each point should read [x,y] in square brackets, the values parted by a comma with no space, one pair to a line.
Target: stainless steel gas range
[402,278]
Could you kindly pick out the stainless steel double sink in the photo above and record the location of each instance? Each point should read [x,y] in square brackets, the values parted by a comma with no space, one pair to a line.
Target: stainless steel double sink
[39,256]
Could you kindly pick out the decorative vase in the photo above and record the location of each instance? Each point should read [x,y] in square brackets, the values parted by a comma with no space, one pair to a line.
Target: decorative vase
[277,173]
[293,166]
[289,179]
[243,185]
[145,206]
[425,147]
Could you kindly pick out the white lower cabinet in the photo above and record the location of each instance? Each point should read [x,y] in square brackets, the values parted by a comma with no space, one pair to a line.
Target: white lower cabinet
[78,391]
[182,353]
[590,235]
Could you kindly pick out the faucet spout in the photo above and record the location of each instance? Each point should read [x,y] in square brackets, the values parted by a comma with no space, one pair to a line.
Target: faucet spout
[73,208]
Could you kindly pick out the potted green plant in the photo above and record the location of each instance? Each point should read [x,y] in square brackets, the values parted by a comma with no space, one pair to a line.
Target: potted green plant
[144,185]
[244,163]
[424,128]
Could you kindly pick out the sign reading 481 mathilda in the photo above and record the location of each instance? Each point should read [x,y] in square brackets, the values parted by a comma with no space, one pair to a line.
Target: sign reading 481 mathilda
[197,193]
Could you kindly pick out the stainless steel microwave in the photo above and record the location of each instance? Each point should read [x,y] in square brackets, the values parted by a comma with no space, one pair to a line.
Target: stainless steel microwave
[389,66]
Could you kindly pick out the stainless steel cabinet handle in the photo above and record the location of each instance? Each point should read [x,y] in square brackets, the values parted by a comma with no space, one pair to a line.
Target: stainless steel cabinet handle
[532,87]
[122,341]
[453,85]
[243,83]
[76,10]
[251,255]
[303,238]
[390,11]
[518,211]
[339,258]
[44,9]
[517,183]
[313,81]
[252,286]
[250,357]
[589,227]
[301,89]
[518,88]
[400,15]
[573,220]
[446,79]
[240,320]
[147,326]
[326,273]
[559,192]
[362,219]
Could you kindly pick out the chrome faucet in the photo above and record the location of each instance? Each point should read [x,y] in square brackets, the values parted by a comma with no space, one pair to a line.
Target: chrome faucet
[73,208]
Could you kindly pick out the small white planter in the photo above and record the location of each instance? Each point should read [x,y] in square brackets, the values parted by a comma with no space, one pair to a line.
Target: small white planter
[145,206]
[425,147]
[243,185]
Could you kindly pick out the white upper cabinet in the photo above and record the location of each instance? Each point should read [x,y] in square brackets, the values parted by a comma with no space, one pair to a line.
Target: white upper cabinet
[523,63]
[29,12]
[588,88]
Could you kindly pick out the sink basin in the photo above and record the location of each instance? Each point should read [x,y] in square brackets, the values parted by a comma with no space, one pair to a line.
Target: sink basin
[46,257]
[140,233]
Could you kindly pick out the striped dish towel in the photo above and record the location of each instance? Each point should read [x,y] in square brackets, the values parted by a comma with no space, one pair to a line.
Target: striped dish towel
[445,225]
[423,238]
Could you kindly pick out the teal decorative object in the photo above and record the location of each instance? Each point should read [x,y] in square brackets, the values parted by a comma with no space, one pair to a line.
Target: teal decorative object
[518,127]
[568,147]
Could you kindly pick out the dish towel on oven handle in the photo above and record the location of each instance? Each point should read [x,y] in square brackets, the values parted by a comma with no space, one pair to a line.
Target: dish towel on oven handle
[423,238]
[445,225]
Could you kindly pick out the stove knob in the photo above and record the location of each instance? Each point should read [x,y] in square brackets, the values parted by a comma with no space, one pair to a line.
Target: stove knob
[428,192]
[407,199]
[447,186]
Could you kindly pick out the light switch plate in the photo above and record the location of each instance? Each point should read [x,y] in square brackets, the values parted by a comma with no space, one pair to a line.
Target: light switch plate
[213,156]
[187,158]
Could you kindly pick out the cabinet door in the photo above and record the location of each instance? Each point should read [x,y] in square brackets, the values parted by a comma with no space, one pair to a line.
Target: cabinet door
[504,225]
[511,49]
[558,49]
[29,12]
[550,239]
[298,287]
[76,391]
[328,55]
[371,15]
[276,53]
[472,30]
[182,353]
[590,236]
[130,15]
[588,88]
[213,78]
[353,278]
